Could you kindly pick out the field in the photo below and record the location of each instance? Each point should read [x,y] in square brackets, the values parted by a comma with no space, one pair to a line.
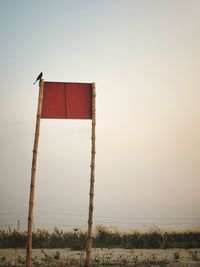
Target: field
[110,248]
[104,257]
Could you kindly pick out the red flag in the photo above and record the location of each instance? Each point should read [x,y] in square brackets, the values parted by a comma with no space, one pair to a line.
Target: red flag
[67,100]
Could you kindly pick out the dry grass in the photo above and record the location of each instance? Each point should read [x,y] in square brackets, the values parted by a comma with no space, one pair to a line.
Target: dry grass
[104,257]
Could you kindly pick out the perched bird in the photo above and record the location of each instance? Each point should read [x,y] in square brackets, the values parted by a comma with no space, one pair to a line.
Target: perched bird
[39,77]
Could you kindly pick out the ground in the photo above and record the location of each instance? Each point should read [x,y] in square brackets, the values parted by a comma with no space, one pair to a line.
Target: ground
[107,257]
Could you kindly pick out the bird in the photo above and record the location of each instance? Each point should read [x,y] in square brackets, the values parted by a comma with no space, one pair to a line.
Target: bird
[39,77]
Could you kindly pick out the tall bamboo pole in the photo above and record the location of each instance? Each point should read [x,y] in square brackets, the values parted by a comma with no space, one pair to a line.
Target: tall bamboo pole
[92,179]
[33,172]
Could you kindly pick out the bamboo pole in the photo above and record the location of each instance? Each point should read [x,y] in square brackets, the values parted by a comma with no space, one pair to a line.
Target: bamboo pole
[33,172]
[88,262]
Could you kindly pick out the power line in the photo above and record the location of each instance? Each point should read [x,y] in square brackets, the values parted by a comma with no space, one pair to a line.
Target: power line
[12,213]
[122,217]
[103,216]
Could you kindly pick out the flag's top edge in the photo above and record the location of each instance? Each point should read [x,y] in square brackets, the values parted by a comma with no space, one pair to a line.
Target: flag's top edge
[68,82]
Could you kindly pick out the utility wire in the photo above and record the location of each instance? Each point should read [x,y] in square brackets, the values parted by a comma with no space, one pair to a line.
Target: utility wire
[103,216]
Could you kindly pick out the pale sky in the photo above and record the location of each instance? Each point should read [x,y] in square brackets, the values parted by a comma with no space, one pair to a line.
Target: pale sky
[144,57]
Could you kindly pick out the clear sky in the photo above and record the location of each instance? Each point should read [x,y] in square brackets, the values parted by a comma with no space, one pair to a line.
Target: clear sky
[145,59]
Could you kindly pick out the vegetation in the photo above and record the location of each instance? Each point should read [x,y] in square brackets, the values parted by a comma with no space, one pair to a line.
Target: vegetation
[103,238]
[106,258]
[56,259]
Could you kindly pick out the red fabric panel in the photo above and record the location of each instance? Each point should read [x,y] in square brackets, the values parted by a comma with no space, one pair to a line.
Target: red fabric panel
[54,104]
[67,100]
[79,98]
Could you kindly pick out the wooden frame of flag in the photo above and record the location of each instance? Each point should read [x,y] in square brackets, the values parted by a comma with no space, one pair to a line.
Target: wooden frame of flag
[64,101]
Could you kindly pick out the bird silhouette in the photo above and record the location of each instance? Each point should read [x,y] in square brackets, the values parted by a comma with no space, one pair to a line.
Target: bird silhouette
[39,77]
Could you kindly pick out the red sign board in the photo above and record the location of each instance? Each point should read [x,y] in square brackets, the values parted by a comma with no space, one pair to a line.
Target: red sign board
[67,100]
